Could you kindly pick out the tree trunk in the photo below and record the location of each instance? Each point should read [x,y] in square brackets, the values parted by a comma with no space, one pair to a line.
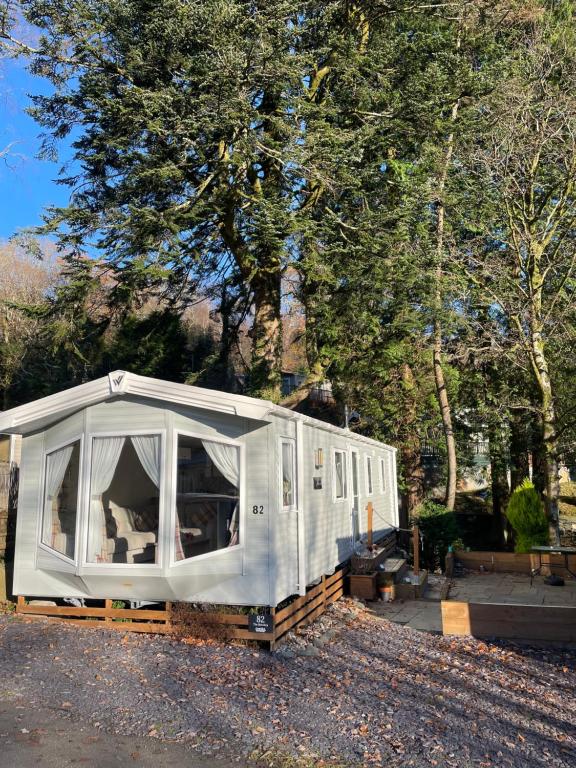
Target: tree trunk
[519,449]
[499,480]
[221,373]
[265,376]
[549,433]
[411,449]
[314,300]
[445,411]
[439,378]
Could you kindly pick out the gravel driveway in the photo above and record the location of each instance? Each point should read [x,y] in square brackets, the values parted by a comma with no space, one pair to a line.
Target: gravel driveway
[354,688]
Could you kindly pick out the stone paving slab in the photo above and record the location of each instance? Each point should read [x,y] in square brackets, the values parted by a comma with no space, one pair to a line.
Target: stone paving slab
[509,589]
[423,615]
[512,588]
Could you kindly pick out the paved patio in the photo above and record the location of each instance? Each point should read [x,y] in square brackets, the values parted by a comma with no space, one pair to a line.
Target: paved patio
[512,588]
[424,614]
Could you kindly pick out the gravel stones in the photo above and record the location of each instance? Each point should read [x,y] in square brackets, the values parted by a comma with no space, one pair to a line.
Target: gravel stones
[352,687]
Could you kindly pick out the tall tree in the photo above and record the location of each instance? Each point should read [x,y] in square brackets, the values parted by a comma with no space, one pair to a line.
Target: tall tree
[25,279]
[526,261]
[183,116]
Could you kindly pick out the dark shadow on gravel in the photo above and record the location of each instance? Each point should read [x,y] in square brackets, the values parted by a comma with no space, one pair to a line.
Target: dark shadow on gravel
[33,736]
[513,716]
[376,689]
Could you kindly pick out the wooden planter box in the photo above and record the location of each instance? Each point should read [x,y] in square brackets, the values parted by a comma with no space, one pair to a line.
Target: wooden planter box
[368,564]
[364,586]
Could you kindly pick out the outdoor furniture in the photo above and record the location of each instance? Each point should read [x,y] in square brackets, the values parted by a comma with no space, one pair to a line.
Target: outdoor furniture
[565,551]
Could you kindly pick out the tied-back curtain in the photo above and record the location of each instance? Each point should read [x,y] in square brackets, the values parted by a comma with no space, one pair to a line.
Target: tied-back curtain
[148,449]
[56,466]
[287,475]
[234,526]
[339,465]
[226,459]
[105,456]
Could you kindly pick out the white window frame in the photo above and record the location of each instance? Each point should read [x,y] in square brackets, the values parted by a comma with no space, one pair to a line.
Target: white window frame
[344,453]
[160,555]
[369,468]
[79,501]
[353,453]
[172,562]
[383,461]
[291,442]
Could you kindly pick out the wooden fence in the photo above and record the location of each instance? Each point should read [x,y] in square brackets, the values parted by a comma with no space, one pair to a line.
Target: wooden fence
[511,562]
[169,620]
[517,622]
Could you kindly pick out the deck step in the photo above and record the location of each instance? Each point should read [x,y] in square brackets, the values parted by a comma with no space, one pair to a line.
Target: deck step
[394,567]
[406,589]
[393,564]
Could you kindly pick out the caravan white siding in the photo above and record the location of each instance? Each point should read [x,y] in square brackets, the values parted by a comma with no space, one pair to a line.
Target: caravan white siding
[239,576]
[286,541]
[327,535]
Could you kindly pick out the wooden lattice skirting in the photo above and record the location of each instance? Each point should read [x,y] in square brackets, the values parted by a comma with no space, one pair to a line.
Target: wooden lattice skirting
[299,612]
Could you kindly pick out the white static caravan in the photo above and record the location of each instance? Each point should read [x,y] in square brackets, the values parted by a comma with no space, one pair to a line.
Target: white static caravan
[138,489]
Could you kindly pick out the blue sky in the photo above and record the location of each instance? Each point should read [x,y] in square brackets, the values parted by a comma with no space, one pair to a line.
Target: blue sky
[26,184]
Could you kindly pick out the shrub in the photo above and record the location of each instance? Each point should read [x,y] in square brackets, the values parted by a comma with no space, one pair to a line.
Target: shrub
[439,530]
[200,623]
[527,517]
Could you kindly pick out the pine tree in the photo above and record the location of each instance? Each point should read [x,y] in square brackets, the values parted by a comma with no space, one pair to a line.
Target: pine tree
[183,117]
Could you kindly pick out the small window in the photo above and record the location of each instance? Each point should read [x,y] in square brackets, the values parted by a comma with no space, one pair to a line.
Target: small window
[383,475]
[340,479]
[61,499]
[369,484]
[289,495]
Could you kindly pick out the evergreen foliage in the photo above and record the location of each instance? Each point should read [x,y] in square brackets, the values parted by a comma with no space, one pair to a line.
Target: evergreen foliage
[439,531]
[410,167]
[527,517]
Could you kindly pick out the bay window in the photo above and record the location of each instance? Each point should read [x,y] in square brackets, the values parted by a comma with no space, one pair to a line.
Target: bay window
[60,507]
[124,514]
[124,485]
[207,498]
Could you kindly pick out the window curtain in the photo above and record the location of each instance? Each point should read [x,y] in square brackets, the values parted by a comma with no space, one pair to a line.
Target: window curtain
[234,526]
[105,455]
[287,475]
[56,466]
[148,449]
[340,482]
[226,459]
